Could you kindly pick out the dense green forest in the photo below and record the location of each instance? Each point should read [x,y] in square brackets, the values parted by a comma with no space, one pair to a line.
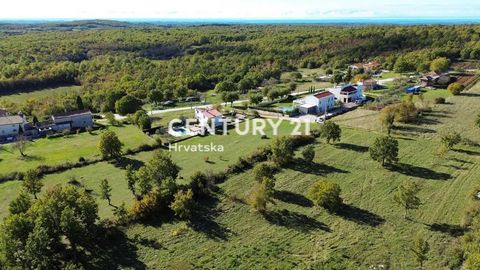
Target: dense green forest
[111,62]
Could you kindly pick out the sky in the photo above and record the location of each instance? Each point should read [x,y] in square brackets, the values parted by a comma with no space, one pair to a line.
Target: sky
[237,9]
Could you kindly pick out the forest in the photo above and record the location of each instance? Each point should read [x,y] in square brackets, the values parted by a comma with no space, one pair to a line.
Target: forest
[116,60]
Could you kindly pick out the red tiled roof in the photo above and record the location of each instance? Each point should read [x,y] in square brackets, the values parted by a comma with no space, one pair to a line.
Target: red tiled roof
[210,113]
[323,94]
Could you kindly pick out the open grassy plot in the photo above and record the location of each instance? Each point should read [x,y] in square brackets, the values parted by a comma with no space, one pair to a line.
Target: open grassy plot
[51,151]
[293,234]
[234,146]
[39,94]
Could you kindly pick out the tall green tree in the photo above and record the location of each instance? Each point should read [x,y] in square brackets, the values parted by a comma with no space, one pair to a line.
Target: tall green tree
[420,250]
[32,182]
[109,145]
[407,196]
[106,191]
[330,131]
[384,150]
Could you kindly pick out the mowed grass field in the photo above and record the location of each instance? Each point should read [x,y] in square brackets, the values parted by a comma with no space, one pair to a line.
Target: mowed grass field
[226,234]
[22,97]
[234,146]
[52,151]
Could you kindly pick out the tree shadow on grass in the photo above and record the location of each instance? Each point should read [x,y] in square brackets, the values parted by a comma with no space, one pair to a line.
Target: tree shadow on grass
[203,220]
[32,158]
[124,161]
[420,172]
[412,129]
[293,198]
[313,168]
[452,230]
[113,250]
[296,221]
[352,147]
[468,152]
[359,216]
[466,94]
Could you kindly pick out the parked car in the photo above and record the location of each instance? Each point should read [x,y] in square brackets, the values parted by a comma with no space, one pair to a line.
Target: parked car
[192,99]
[320,120]
[168,103]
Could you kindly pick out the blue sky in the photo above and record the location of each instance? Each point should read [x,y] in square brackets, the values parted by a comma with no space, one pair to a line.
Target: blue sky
[247,9]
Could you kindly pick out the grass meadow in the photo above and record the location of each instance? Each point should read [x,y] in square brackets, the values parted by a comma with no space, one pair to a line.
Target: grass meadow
[226,234]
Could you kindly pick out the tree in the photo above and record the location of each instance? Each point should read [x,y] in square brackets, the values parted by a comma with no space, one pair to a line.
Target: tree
[183,203]
[308,153]
[226,86]
[109,145]
[440,65]
[450,139]
[261,193]
[79,103]
[131,180]
[121,214]
[106,191]
[50,232]
[127,104]
[21,144]
[255,98]
[32,182]
[330,131]
[282,151]
[337,77]
[245,84]
[420,250]
[144,122]
[384,150]
[262,170]
[292,87]
[325,194]
[295,76]
[230,97]
[20,204]
[111,118]
[406,196]
[387,118]
[155,96]
[455,88]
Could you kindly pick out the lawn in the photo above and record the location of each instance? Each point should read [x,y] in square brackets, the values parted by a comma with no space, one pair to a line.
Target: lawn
[293,234]
[53,151]
[227,234]
[190,162]
[21,98]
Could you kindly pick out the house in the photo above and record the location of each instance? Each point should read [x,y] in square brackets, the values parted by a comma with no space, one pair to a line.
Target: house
[72,120]
[207,116]
[11,125]
[369,84]
[368,67]
[348,93]
[317,103]
[434,79]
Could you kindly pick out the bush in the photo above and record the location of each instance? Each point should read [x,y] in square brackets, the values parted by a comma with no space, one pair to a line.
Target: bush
[325,194]
[183,203]
[257,198]
[455,88]
[384,150]
[308,153]
[440,100]
[263,170]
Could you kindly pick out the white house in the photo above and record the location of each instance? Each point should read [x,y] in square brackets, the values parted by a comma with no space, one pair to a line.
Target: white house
[207,116]
[315,104]
[348,94]
[11,125]
[73,120]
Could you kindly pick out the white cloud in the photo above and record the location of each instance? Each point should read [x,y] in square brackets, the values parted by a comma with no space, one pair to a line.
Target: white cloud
[302,9]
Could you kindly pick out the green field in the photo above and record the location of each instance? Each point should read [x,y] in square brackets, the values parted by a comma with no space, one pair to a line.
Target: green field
[22,97]
[226,234]
[51,151]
